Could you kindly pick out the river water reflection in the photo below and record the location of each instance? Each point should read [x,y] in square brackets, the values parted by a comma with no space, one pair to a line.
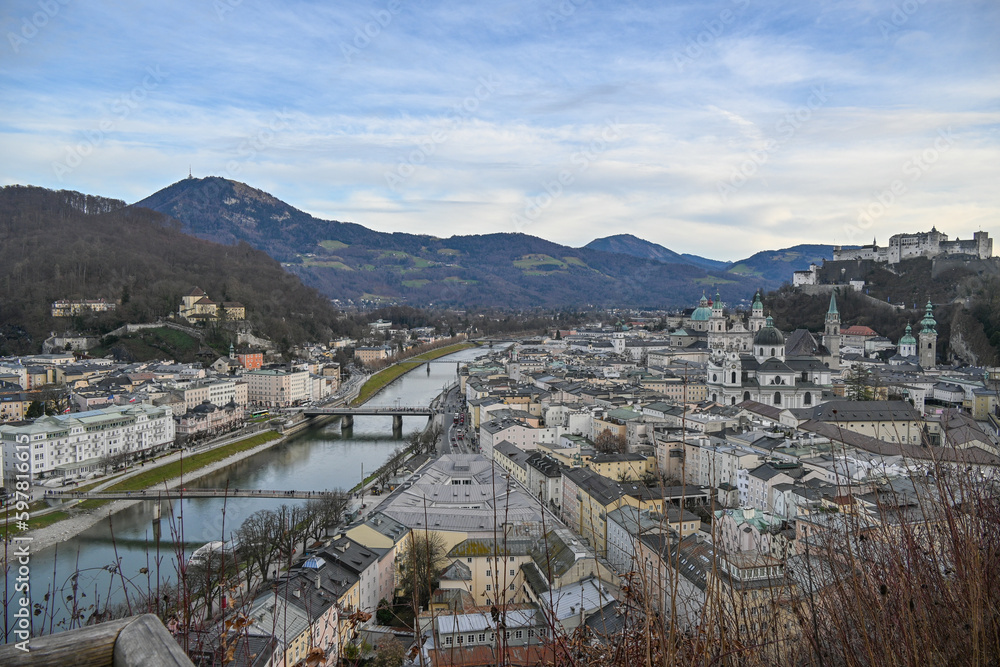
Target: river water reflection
[317,459]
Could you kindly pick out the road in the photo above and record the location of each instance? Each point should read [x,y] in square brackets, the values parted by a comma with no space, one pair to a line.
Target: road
[456,437]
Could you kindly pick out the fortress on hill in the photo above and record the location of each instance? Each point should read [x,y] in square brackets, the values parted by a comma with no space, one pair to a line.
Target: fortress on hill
[921,244]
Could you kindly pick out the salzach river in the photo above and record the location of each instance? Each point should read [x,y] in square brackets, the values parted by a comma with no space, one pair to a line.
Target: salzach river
[120,556]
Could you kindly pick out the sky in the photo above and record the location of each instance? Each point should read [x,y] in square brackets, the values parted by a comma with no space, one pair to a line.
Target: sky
[716,127]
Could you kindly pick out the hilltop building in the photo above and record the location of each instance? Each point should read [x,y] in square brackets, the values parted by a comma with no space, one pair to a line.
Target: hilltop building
[921,244]
[197,307]
[69,308]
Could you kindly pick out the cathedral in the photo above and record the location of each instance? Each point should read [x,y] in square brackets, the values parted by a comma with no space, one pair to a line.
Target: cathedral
[755,362]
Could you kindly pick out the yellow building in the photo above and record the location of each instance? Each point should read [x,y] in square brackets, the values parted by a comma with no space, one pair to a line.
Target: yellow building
[197,307]
[622,466]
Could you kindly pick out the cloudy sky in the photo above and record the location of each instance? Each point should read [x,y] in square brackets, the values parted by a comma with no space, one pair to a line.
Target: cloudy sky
[718,127]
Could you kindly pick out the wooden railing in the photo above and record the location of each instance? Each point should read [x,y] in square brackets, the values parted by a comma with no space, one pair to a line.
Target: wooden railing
[138,641]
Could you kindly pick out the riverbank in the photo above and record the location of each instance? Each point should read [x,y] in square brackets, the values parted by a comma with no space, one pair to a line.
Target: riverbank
[74,524]
[380,380]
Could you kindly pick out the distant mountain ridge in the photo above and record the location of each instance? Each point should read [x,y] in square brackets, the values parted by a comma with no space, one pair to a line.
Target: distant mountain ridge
[627,244]
[772,267]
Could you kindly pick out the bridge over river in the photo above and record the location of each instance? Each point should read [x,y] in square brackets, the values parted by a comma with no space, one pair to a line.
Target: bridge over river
[347,413]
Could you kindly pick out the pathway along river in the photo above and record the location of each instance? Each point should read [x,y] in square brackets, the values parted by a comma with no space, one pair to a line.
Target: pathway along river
[316,459]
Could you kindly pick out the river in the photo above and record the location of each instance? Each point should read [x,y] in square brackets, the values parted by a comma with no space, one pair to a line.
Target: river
[317,459]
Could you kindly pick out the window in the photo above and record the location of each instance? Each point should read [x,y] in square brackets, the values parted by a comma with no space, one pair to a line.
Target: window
[518,634]
[472,638]
[460,638]
[777,398]
[482,637]
[512,572]
[447,641]
[489,573]
[531,632]
[489,587]
[468,560]
[511,559]
[734,377]
[808,398]
[512,587]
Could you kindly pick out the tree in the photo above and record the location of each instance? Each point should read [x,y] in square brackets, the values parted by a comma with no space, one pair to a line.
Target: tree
[388,653]
[607,442]
[860,383]
[293,523]
[35,410]
[327,510]
[258,539]
[208,577]
[420,567]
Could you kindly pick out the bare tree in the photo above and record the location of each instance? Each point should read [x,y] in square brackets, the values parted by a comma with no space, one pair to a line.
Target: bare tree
[208,577]
[258,539]
[292,524]
[607,442]
[327,510]
[420,567]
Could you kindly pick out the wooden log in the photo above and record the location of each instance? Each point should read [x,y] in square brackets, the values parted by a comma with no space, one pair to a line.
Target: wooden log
[98,646]
[146,641]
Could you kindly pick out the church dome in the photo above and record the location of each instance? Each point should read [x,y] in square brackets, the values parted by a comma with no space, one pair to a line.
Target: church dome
[769,335]
[908,338]
[703,312]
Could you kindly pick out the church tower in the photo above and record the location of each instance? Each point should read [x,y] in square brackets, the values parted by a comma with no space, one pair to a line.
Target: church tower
[718,315]
[928,338]
[757,320]
[831,331]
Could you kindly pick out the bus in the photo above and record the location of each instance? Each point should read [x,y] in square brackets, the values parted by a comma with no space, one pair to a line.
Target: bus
[258,414]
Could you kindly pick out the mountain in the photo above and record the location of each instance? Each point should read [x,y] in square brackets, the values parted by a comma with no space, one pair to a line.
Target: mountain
[348,261]
[627,244]
[66,245]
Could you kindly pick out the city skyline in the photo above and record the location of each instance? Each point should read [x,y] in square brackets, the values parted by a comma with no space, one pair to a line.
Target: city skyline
[719,129]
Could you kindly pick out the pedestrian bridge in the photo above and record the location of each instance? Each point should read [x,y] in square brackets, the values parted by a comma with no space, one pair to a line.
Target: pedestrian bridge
[175,494]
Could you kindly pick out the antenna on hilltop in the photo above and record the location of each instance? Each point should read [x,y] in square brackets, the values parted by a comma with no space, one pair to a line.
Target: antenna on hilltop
[189,172]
